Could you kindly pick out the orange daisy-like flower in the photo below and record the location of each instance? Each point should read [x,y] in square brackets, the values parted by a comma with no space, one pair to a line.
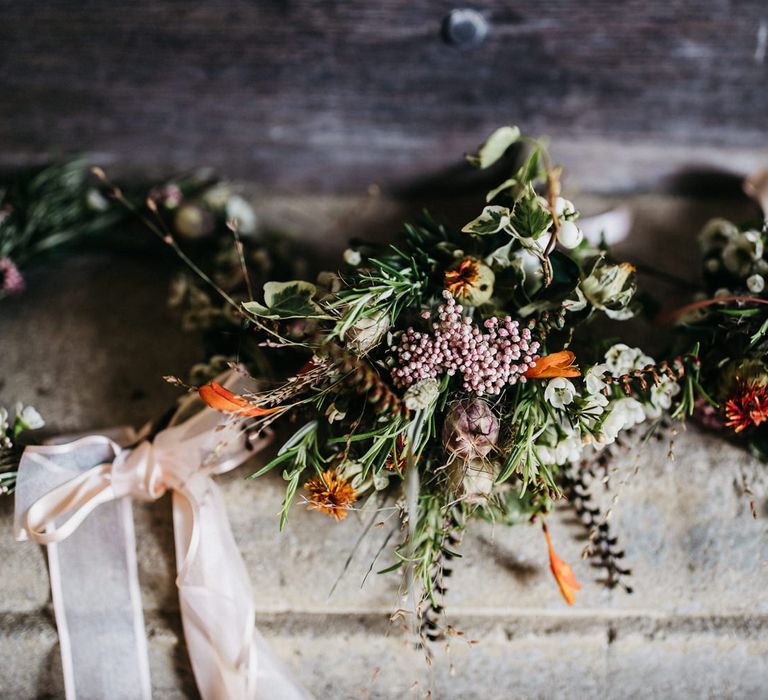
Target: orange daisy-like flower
[470,281]
[747,407]
[558,364]
[563,573]
[459,280]
[221,399]
[331,494]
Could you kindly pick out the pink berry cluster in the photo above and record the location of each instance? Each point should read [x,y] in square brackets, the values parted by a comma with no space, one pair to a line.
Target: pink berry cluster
[11,281]
[488,361]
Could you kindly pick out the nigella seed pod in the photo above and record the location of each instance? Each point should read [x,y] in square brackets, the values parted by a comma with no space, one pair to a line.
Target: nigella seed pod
[471,429]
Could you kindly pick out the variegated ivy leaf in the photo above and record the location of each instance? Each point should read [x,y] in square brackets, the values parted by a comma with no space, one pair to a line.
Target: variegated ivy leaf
[503,187]
[495,146]
[283,300]
[529,219]
[501,257]
[492,220]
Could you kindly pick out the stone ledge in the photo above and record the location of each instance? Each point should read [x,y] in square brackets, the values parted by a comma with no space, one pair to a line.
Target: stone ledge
[335,663]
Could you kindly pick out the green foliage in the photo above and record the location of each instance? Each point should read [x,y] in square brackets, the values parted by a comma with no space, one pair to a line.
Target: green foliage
[492,220]
[285,300]
[52,209]
[529,219]
[495,146]
[12,442]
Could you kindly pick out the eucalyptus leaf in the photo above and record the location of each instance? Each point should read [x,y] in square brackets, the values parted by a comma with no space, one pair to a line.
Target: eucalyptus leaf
[491,221]
[495,146]
[284,300]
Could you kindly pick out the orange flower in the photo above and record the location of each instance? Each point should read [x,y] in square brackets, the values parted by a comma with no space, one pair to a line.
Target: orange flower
[458,280]
[562,572]
[470,281]
[221,399]
[331,494]
[558,364]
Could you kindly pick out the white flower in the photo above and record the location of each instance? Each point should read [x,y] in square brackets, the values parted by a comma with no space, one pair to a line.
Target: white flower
[609,288]
[28,416]
[741,252]
[756,284]
[352,257]
[623,414]
[422,394]
[568,449]
[240,211]
[661,397]
[594,378]
[716,234]
[3,421]
[569,235]
[368,331]
[553,451]
[621,359]
[594,405]
[560,392]
[546,454]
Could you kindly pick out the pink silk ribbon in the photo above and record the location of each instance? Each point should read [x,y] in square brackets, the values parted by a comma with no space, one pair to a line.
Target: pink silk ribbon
[69,487]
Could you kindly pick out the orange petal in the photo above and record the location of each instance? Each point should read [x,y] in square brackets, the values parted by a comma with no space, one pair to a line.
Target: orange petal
[563,573]
[558,364]
[221,399]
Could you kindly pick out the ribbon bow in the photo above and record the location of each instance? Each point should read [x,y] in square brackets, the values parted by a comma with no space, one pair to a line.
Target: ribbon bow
[75,498]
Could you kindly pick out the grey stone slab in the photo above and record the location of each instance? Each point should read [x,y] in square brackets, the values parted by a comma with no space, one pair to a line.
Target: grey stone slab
[88,345]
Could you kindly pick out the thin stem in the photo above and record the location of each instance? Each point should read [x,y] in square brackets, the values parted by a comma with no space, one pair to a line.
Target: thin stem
[673,315]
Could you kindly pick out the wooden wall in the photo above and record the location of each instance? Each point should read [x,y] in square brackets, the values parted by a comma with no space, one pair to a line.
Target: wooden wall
[329,96]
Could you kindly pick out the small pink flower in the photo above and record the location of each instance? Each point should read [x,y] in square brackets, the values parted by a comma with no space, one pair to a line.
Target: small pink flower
[11,281]
[488,360]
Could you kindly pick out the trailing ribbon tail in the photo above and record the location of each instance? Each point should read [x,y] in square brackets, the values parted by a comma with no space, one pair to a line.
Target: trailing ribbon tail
[75,498]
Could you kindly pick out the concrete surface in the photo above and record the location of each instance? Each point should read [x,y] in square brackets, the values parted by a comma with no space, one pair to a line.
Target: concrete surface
[88,345]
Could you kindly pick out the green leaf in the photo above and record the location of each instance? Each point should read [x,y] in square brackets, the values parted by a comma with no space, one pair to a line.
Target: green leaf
[495,146]
[530,219]
[492,220]
[531,170]
[503,187]
[293,299]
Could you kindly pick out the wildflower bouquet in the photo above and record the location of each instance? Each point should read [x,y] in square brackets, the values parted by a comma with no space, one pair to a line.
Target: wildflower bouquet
[728,324]
[457,372]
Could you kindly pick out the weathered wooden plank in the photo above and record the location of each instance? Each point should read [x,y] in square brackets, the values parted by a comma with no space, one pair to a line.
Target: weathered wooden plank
[333,95]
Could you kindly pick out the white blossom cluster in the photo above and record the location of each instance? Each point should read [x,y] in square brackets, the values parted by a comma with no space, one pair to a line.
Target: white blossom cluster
[737,252]
[583,416]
